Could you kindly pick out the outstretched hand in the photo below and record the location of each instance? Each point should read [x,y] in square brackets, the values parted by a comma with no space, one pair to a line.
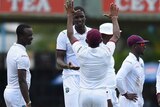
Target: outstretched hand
[113,11]
[70,66]
[69,6]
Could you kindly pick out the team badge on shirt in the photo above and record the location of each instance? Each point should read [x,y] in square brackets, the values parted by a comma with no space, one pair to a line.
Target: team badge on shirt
[67,90]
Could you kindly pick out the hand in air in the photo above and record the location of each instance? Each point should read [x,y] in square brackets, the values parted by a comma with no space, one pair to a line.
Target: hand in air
[113,11]
[69,6]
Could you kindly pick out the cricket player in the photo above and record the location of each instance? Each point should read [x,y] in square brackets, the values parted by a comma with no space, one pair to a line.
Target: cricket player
[106,30]
[131,75]
[94,59]
[66,58]
[16,93]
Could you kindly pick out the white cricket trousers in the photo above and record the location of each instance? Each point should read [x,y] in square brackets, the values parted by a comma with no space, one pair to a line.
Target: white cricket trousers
[128,103]
[13,98]
[71,90]
[92,98]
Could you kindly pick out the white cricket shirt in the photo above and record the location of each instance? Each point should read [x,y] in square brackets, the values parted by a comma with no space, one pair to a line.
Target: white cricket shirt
[63,43]
[94,64]
[111,77]
[130,77]
[17,58]
[158,79]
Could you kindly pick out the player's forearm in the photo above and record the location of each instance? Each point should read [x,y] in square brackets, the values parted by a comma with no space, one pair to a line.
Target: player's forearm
[116,29]
[61,64]
[69,27]
[158,98]
[24,90]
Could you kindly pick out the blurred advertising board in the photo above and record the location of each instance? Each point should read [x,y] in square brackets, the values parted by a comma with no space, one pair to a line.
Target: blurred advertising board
[50,7]
[129,9]
[151,69]
[145,10]
[134,6]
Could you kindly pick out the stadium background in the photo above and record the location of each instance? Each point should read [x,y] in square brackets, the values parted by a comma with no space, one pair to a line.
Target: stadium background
[47,17]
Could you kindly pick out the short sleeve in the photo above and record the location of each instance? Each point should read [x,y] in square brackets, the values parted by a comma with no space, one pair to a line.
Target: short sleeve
[77,46]
[61,41]
[111,46]
[23,62]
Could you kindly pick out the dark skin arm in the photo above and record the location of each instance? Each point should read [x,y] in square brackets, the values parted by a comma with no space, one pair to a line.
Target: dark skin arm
[60,55]
[23,86]
[70,11]
[109,103]
[113,15]
[158,98]
[131,96]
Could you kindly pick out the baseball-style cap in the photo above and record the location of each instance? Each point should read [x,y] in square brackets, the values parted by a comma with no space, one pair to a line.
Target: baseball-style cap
[133,39]
[106,28]
[94,37]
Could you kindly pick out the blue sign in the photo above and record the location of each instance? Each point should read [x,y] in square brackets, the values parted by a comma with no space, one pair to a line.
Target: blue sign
[150,71]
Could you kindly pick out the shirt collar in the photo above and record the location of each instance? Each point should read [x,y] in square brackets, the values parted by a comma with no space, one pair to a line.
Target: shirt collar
[75,32]
[133,56]
[19,45]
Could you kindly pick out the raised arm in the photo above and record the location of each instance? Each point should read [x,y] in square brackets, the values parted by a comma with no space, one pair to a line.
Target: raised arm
[114,17]
[70,12]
